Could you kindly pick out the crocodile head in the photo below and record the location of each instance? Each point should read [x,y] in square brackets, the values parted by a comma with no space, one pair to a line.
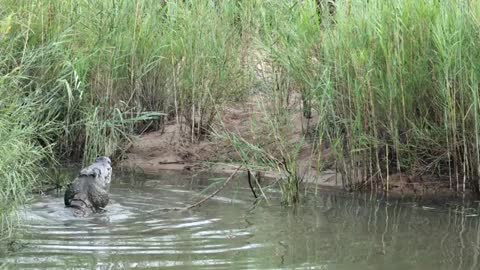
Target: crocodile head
[101,170]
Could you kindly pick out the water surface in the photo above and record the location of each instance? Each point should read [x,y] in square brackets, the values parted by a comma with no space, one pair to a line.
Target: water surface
[330,230]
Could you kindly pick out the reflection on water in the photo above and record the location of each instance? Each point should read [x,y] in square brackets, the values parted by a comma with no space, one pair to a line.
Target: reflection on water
[328,231]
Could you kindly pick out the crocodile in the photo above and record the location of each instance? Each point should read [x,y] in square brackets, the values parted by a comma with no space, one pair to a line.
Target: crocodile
[88,193]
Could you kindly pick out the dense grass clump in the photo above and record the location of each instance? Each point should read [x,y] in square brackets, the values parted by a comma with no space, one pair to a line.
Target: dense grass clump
[395,85]
[111,61]
[21,156]
[410,80]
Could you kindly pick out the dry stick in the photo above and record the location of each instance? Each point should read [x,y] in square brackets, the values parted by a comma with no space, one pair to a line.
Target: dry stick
[202,200]
[261,189]
[170,162]
[250,184]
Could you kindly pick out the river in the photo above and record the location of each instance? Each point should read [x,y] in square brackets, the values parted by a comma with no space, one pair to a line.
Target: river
[328,230]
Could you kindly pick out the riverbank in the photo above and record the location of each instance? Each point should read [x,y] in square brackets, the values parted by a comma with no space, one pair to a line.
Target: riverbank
[171,148]
[204,156]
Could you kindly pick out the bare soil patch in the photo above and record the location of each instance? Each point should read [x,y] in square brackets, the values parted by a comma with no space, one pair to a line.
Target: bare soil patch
[173,149]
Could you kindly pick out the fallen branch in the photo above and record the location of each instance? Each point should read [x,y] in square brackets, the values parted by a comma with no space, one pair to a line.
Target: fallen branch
[202,200]
[171,162]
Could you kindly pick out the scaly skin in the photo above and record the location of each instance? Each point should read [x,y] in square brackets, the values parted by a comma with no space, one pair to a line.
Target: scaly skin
[88,193]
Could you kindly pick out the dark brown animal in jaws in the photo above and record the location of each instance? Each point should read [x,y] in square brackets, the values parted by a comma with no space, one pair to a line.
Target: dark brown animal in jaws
[88,193]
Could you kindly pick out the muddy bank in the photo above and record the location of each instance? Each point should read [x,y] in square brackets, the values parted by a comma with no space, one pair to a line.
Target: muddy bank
[173,149]
[157,152]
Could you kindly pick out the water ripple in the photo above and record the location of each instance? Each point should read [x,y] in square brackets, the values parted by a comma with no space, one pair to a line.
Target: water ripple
[57,240]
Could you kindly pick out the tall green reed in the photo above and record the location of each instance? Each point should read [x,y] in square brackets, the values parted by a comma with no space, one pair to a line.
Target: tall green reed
[105,59]
[395,84]
[23,151]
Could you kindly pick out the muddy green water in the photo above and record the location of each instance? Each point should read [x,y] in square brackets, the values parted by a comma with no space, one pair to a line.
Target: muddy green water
[330,230]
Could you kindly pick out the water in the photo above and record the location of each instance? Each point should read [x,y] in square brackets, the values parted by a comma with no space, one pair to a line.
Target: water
[330,230]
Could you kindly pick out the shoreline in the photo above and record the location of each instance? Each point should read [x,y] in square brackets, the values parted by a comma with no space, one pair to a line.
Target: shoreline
[402,186]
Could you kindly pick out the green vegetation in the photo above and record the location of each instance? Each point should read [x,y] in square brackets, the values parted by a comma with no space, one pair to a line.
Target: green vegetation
[19,162]
[388,86]
[395,85]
